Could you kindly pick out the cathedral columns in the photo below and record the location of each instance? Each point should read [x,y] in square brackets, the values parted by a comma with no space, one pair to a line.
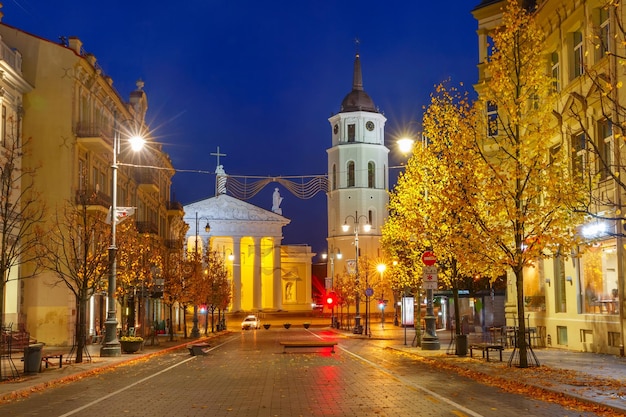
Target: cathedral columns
[278,279]
[236,301]
[257,287]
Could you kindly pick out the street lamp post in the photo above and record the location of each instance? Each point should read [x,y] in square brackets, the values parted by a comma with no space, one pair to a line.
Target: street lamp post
[381,268]
[195,331]
[331,255]
[111,346]
[358,329]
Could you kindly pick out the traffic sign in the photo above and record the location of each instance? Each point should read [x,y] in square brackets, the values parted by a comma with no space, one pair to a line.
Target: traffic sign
[369,292]
[429,258]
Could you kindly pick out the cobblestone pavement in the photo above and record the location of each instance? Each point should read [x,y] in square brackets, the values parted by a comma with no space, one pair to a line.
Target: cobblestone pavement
[596,379]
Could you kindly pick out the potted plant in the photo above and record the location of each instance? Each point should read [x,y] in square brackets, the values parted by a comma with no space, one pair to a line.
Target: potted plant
[287,325]
[131,344]
[306,324]
[266,325]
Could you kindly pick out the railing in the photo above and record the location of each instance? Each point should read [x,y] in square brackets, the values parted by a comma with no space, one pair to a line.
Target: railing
[147,227]
[91,196]
[91,130]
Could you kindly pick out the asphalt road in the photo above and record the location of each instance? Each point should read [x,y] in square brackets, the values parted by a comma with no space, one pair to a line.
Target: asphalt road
[247,374]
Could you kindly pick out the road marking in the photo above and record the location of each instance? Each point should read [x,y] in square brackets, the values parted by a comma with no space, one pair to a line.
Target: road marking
[412,384]
[139,381]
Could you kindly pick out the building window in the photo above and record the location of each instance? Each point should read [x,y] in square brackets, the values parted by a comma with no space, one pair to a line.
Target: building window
[561,335]
[599,268]
[614,339]
[351,174]
[579,154]
[534,287]
[492,118]
[352,133]
[371,175]
[556,71]
[603,33]
[334,178]
[604,158]
[577,54]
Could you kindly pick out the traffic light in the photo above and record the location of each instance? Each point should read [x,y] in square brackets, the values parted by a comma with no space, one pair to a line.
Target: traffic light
[331,299]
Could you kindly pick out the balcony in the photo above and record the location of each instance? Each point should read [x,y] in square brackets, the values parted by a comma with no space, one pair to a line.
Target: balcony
[93,199]
[147,227]
[93,137]
[147,179]
[175,208]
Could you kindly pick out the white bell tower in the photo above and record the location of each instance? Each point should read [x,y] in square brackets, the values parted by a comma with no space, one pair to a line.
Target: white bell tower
[358,176]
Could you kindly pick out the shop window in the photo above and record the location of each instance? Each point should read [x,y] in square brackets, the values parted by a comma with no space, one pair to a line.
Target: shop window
[534,287]
[599,267]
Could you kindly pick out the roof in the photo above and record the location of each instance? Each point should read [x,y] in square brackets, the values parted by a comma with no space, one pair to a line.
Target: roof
[357,99]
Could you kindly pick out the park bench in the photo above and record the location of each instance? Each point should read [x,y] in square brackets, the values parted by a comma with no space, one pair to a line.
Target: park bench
[46,357]
[485,348]
[198,349]
[308,344]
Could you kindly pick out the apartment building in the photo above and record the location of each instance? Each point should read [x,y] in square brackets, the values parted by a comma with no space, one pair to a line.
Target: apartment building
[70,111]
[576,302]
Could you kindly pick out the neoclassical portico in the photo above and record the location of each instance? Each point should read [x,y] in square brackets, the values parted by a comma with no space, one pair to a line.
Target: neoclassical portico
[253,237]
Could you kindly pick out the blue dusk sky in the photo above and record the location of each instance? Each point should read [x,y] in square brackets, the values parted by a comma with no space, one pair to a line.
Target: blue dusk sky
[260,79]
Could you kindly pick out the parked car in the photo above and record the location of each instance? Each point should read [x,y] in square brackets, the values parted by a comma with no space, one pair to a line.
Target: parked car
[250,322]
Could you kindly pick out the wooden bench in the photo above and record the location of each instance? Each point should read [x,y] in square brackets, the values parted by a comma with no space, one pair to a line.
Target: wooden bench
[308,344]
[198,349]
[485,348]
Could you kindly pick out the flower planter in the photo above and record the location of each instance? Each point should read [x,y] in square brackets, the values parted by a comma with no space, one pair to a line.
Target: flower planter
[267,326]
[306,325]
[287,325]
[130,347]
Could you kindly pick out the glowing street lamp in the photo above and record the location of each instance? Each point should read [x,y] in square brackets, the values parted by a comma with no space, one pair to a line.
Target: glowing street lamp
[111,346]
[358,329]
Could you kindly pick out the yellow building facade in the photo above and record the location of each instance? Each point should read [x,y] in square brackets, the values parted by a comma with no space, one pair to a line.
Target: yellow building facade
[577,302]
[264,275]
[71,112]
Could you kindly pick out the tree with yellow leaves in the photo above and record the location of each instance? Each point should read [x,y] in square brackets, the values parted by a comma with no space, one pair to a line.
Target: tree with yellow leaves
[432,204]
[528,199]
[76,250]
[139,260]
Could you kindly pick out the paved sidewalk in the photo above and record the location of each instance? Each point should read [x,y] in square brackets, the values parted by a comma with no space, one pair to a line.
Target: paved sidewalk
[593,378]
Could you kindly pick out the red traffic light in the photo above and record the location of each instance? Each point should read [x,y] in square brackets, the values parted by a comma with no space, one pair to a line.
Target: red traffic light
[331,299]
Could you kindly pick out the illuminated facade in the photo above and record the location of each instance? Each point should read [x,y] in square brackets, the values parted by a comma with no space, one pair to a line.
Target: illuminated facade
[358,176]
[264,275]
[577,302]
[70,114]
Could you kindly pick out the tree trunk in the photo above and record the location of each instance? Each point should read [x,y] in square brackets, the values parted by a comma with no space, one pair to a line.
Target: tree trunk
[81,327]
[521,332]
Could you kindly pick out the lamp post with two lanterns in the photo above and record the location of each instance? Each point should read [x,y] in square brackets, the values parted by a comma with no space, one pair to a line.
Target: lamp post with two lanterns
[111,345]
[358,329]
[195,331]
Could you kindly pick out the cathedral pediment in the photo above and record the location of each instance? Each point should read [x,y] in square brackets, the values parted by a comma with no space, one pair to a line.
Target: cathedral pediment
[230,216]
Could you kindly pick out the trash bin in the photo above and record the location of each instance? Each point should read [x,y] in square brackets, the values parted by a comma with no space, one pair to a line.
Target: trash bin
[32,358]
[461,345]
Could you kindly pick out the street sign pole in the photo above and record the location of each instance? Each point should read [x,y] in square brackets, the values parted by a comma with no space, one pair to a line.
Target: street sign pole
[430,341]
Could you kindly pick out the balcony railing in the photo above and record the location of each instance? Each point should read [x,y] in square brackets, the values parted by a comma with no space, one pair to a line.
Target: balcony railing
[92,197]
[147,227]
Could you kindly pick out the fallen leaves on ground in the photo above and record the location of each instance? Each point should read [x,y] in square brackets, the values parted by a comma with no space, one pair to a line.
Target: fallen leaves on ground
[560,386]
